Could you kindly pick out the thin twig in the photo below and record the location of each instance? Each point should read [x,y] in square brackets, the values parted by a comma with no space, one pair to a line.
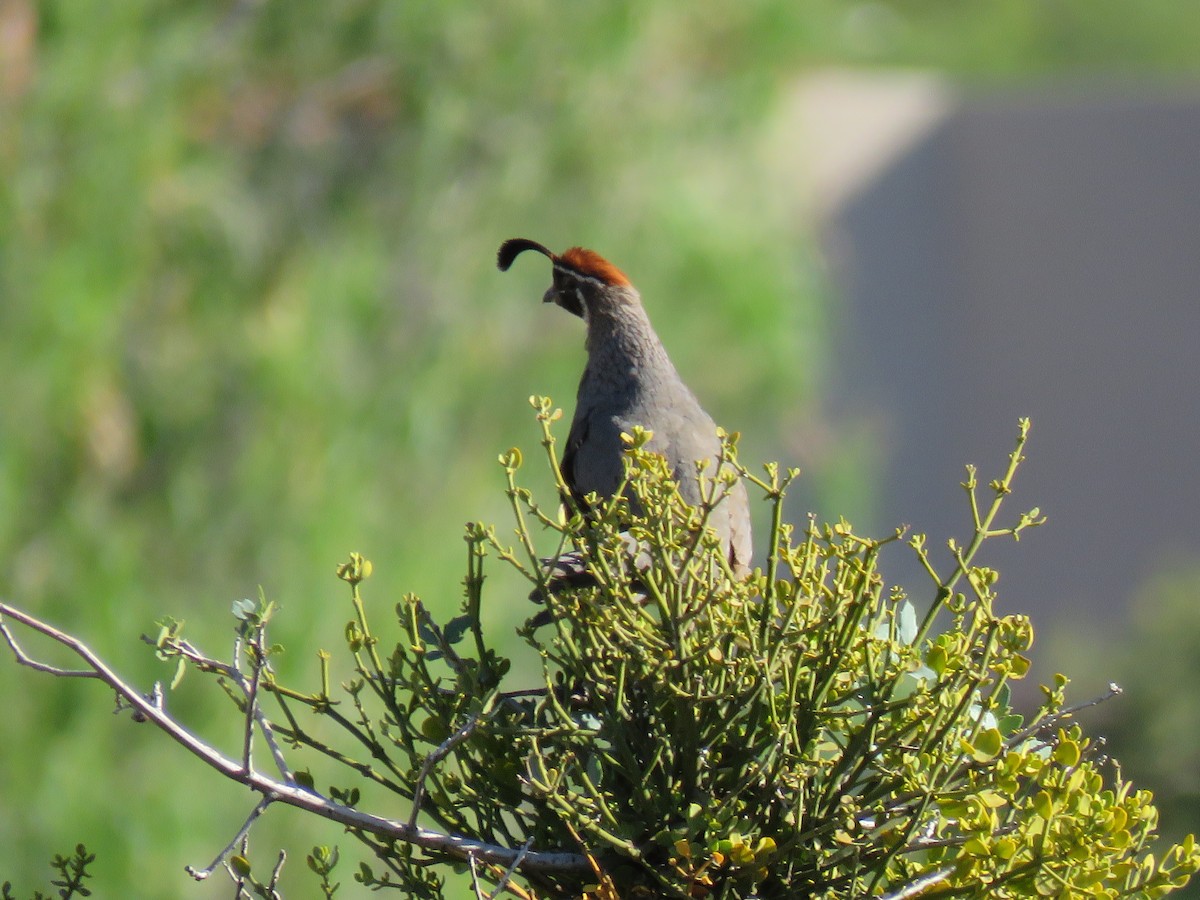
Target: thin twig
[32,663]
[276,872]
[201,874]
[918,886]
[441,752]
[475,885]
[251,692]
[1050,721]
[268,733]
[502,884]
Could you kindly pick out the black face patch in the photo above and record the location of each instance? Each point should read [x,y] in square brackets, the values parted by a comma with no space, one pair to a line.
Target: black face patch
[568,290]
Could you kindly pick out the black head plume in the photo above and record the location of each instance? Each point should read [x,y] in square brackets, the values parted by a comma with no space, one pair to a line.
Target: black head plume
[514,247]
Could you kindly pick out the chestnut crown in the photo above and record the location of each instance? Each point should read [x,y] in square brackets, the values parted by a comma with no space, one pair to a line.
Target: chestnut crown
[577,262]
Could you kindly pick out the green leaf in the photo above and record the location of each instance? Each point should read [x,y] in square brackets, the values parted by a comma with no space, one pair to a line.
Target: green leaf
[456,628]
[988,745]
[180,669]
[244,609]
[906,618]
[1067,753]
[976,847]
[1011,724]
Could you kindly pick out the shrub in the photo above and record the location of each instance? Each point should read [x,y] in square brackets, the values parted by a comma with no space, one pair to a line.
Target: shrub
[801,732]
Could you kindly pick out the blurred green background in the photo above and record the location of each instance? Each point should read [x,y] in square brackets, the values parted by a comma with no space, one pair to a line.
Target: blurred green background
[250,318]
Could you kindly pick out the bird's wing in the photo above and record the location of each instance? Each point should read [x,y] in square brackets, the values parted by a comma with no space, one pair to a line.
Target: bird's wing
[575,440]
[688,434]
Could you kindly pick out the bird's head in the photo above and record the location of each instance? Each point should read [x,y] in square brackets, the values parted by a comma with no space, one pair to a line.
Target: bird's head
[583,279]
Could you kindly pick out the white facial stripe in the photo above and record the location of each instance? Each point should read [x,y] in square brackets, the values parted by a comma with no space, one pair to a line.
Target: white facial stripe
[573,273]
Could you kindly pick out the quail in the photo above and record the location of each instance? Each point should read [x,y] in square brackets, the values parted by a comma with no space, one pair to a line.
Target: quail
[629,380]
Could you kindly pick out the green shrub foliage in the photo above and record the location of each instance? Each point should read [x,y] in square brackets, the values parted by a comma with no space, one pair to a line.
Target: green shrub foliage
[72,873]
[805,731]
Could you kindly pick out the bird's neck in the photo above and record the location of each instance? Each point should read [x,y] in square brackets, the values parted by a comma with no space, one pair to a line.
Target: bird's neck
[623,348]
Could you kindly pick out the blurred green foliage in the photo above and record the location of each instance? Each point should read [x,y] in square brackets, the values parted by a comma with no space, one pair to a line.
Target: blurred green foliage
[249,317]
[1154,727]
[1158,736]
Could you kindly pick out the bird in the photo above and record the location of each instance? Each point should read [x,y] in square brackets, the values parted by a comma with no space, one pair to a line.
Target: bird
[629,381]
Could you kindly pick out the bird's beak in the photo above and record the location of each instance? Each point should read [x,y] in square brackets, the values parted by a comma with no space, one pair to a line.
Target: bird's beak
[551,295]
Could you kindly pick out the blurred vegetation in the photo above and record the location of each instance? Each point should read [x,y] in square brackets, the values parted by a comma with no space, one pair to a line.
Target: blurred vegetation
[1154,728]
[249,318]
